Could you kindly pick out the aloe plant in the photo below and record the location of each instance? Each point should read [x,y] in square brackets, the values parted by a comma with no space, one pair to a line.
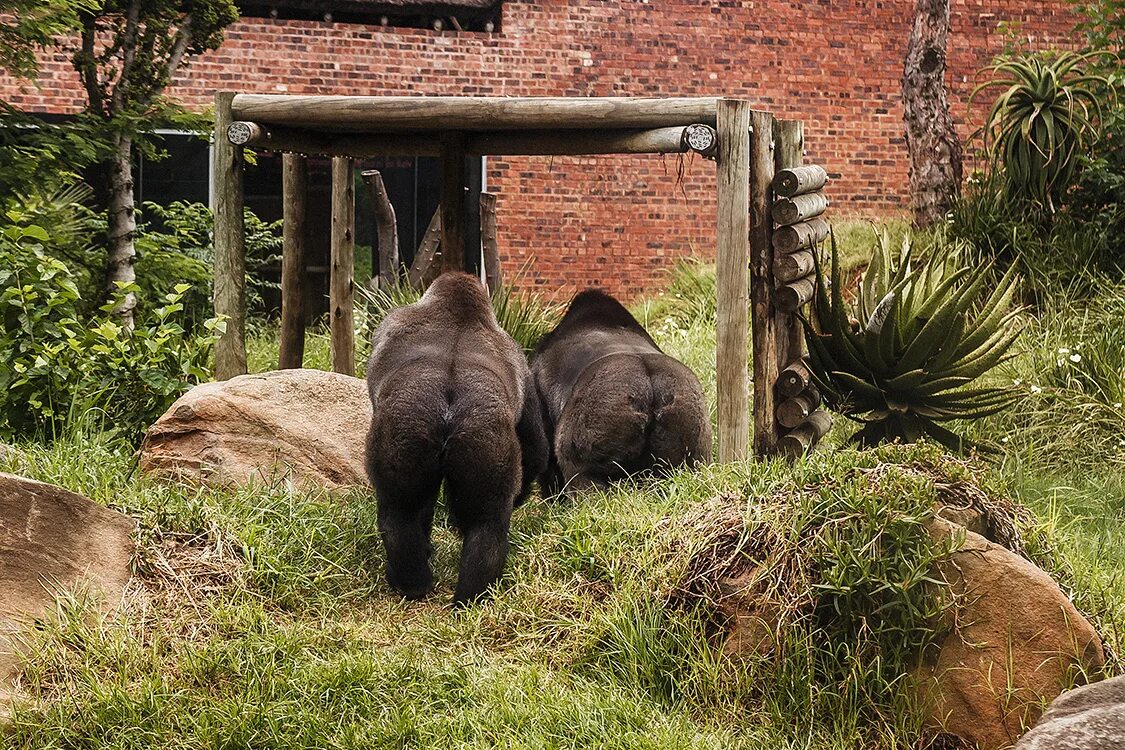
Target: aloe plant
[900,358]
[1043,121]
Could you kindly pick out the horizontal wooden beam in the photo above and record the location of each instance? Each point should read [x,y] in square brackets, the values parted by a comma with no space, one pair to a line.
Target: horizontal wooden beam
[412,113]
[696,137]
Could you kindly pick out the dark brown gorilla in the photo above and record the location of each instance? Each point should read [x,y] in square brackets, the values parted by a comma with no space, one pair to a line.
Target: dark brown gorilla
[614,404]
[453,402]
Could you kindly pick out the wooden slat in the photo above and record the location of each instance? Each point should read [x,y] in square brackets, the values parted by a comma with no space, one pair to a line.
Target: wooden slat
[793,379]
[792,267]
[413,113]
[386,228]
[422,269]
[341,285]
[799,180]
[806,435]
[805,235]
[789,137]
[799,208]
[733,182]
[453,202]
[294,194]
[489,249]
[764,325]
[230,246]
[790,297]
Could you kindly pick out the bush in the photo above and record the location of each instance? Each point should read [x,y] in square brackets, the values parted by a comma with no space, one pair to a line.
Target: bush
[899,359]
[60,369]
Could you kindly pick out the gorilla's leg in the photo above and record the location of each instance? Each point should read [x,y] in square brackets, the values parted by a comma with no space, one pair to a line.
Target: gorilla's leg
[404,468]
[405,522]
[482,470]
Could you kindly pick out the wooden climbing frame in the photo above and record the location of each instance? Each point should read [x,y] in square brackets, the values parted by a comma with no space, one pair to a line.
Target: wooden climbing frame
[769,219]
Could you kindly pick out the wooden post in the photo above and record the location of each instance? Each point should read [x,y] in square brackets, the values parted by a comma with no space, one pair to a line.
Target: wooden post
[230,246]
[733,162]
[453,202]
[789,150]
[386,228]
[764,324]
[294,193]
[489,249]
[420,274]
[342,283]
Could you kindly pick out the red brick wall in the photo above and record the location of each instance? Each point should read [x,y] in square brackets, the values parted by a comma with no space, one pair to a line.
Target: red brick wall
[618,221]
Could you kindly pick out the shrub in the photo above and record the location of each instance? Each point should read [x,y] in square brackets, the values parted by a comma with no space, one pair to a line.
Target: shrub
[899,358]
[1042,124]
[59,369]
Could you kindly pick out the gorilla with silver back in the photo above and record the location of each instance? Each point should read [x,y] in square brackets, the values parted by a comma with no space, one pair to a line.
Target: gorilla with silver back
[454,403]
[614,404]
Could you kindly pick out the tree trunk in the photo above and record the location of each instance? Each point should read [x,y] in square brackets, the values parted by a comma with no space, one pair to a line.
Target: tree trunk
[122,226]
[931,139]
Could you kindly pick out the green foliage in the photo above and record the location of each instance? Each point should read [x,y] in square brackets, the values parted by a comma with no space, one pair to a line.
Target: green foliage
[59,368]
[1043,122]
[899,359]
[526,317]
[31,24]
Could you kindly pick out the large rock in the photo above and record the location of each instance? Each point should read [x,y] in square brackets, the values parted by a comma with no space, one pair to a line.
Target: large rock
[1015,642]
[54,540]
[306,426]
[1091,717]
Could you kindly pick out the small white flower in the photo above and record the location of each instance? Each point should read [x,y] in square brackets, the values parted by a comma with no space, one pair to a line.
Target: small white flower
[1064,350]
[1075,357]
[1058,363]
[1117,405]
[1004,439]
[1036,389]
[1017,381]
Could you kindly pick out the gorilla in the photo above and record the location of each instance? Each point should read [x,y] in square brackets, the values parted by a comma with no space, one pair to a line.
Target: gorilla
[613,403]
[454,403]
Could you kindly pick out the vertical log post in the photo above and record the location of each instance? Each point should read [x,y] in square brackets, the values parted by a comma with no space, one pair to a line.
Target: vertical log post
[764,322]
[386,228]
[491,251]
[342,283]
[733,162]
[294,193]
[789,147]
[230,246]
[453,202]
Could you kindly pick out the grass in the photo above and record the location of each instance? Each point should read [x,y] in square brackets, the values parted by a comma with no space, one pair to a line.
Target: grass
[260,617]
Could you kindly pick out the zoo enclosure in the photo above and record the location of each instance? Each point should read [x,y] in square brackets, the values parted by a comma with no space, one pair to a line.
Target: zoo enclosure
[763,274]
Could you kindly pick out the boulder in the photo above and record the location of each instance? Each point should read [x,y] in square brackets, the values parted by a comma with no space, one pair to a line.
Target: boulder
[54,540]
[1091,717]
[303,426]
[1014,642]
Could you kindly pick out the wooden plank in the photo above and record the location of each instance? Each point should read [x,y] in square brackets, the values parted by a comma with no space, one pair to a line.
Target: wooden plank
[806,435]
[799,208]
[801,236]
[420,270]
[793,379]
[792,267]
[386,228]
[674,140]
[294,193]
[230,246]
[453,202]
[341,284]
[793,411]
[799,180]
[764,322]
[789,137]
[733,186]
[413,113]
[493,276]
[790,297]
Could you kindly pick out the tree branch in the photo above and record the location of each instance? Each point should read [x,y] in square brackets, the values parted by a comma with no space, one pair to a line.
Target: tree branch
[88,66]
[129,54]
[183,39]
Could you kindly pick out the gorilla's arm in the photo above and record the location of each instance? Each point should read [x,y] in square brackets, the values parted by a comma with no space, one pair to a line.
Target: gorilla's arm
[533,438]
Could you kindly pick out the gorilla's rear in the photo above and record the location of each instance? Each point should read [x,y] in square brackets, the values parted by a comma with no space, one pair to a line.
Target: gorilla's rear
[453,402]
[614,404]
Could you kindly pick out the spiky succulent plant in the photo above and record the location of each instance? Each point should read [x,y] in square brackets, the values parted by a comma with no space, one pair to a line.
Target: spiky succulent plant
[899,359]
